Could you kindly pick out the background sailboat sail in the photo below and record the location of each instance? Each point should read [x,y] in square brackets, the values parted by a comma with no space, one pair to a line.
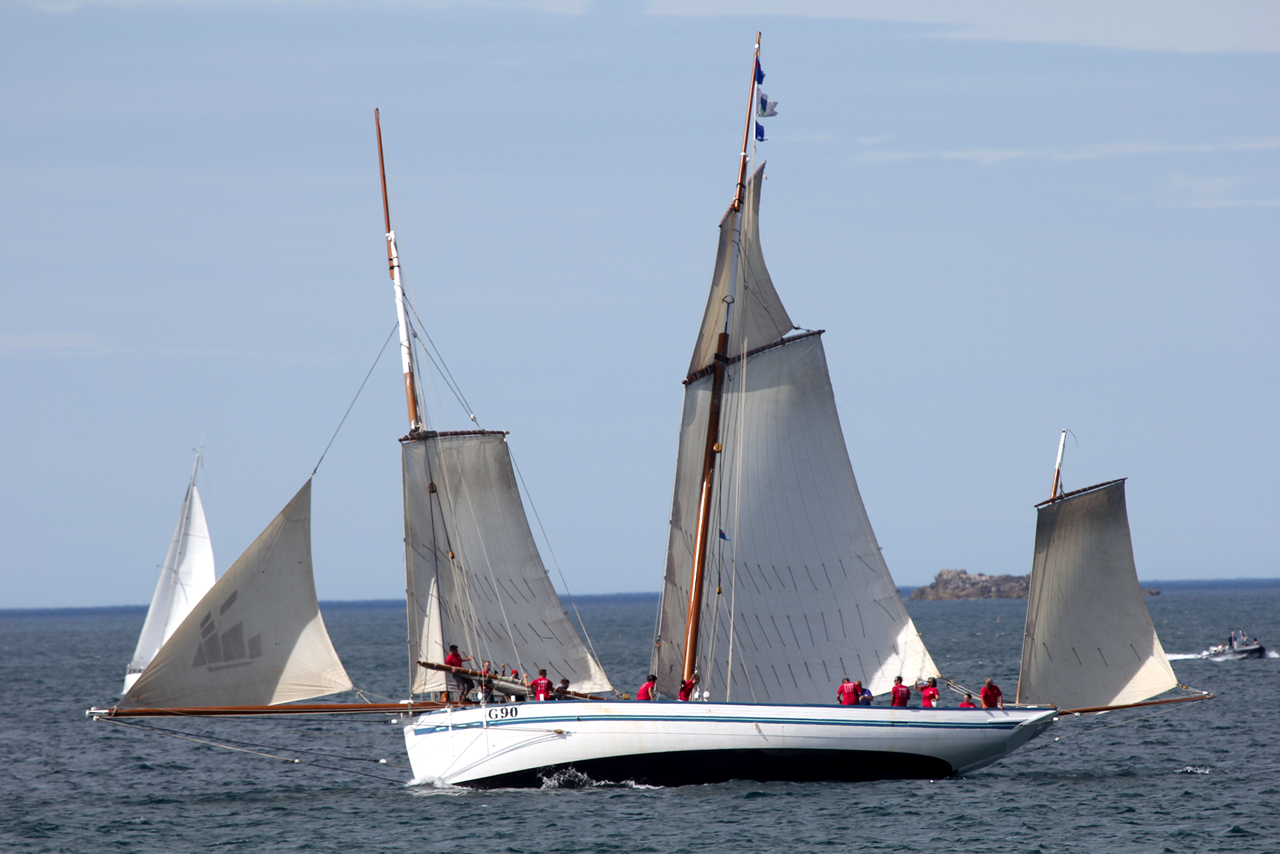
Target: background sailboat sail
[805,597]
[257,637]
[186,576]
[475,578]
[1089,640]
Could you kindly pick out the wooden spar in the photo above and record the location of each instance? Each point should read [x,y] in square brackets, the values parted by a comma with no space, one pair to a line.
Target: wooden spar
[704,513]
[498,679]
[393,268]
[746,131]
[1057,467]
[246,711]
[698,572]
[1205,696]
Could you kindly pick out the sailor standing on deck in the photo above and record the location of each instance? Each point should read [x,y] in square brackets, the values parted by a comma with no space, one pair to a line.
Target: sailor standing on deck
[992,696]
[928,693]
[455,659]
[900,695]
[848,693]
[541,686]
[647,690]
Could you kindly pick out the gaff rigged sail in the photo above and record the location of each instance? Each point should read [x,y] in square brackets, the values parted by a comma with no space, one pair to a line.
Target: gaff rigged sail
[1089,639]
[797,594]
[475,577]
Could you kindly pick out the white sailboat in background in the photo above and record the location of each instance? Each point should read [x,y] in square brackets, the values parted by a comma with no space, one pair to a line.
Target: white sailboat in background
[256,638]
[186,576]
[1089,641]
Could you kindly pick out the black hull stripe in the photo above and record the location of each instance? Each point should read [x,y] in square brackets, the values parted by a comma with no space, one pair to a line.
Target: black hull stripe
[701,767]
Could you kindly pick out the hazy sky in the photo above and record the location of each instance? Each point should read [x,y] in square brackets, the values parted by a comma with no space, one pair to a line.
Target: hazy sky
[1010,218]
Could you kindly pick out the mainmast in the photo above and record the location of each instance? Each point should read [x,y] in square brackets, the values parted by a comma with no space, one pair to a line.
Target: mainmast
[713,447]
[1057,467]
[393,265]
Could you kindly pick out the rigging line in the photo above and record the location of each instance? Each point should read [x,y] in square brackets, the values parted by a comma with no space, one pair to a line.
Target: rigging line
[1059,739]
[737,510]
[502,606]
[554,559]
[461,573]
[441,366]
[441,369]
[211,743]
[175,732]
[354,399]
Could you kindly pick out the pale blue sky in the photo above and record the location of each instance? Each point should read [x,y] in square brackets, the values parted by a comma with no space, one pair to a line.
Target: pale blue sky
[1008,221]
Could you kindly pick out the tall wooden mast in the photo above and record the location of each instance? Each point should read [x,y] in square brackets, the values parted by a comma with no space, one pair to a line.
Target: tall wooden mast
[393,265]
[1057,468]
[697,576]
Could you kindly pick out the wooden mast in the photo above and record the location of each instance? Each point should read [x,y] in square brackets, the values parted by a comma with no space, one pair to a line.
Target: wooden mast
[393,268]
[712,448]
[1057,467]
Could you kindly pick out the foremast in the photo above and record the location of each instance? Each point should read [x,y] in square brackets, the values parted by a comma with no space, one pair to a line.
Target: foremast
[393,268]
[713,447]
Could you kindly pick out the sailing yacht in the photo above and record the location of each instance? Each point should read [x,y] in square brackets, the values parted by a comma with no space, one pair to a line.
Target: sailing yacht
[774,590]
[802,596]
[185,577]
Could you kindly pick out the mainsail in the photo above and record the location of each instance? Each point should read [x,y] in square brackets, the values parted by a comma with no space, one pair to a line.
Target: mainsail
[187,575]
[1089,640]
[474,575]
[257,637]
[802,596]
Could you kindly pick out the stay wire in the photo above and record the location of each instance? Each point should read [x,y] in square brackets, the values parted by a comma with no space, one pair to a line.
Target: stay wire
[1058,740]
[438,360]
[354,399]
[555,561]
[231,747]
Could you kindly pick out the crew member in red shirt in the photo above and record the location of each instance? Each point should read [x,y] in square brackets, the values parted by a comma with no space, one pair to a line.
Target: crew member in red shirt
[968,702]
[648,689]
[541,686]
[455,659]
[686,688]
[929,694]
[900,693]
[992,696]
[848,693]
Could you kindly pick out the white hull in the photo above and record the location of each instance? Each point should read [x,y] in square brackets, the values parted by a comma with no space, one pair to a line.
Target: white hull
[666,743]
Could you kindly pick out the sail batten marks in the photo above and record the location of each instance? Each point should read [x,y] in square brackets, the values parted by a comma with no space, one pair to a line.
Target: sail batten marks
[1085,595]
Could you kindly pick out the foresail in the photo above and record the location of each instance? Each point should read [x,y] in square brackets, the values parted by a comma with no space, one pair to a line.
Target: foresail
[187,575]
[474,575]
[759,316]
[257,637]
[812,599]
[1089,640]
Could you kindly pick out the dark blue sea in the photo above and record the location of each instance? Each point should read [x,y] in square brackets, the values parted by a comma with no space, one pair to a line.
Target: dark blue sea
[1199,777]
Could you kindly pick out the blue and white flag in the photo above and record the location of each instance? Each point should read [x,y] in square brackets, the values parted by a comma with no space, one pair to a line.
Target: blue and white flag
[766,107]
[722,536]
[759,73]
[760,133]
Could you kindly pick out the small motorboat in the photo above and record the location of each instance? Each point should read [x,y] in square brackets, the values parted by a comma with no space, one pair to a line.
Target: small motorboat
[1238,645]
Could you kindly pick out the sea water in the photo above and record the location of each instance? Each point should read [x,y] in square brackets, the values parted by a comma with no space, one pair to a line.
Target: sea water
[1198,777]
